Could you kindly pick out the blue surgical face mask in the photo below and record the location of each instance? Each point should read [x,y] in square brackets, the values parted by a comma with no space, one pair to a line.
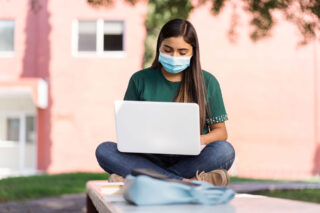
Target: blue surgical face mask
[174,64]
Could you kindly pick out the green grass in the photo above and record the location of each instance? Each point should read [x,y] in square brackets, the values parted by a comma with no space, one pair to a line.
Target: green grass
[21,188]
[237,179]
[309,195]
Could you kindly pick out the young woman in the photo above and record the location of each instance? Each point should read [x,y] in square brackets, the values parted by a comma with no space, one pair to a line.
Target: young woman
[176,75]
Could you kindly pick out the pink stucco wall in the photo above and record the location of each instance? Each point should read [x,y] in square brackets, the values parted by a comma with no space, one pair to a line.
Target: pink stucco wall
[269,88]
[270,94]
[83,89]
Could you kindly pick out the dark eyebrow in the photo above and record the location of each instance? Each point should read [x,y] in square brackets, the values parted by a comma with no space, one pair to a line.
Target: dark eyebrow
[167,46]
[172,48]
[183,49]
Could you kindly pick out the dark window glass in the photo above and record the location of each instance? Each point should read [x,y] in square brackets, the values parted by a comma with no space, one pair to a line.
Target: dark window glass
[113,36]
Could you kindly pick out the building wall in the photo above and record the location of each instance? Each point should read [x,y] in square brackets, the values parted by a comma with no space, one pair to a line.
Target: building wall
[11,66]
[83,89]
[270,94]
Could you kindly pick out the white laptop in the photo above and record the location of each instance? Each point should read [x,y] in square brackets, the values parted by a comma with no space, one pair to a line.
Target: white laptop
[158,127]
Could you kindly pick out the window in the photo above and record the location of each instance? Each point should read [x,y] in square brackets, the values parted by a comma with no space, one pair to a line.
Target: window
[98,38]
[10,127]
[13,129]
[112,36]
[18,146]
[6,36]
[87,36]
[30,129]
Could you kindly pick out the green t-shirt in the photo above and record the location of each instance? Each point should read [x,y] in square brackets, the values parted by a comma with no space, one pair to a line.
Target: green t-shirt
[150,85]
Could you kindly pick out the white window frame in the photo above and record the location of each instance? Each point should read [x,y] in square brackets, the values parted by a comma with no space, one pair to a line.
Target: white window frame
[99,42]
[22,115]
[9,54]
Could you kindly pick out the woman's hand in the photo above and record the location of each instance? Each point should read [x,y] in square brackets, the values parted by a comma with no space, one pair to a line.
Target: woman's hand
[202,140]
[218,132]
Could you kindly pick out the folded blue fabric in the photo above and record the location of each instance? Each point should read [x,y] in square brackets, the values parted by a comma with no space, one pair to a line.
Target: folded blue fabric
[145,190]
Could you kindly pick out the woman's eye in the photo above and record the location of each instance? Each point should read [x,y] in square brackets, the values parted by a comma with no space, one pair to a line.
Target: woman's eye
[182,53]
[167,51]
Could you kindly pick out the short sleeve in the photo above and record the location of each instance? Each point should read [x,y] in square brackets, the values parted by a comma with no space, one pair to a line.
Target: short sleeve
[216,110]
[132,92]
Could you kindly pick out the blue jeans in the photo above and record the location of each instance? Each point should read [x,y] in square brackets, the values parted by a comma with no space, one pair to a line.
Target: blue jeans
[216,155]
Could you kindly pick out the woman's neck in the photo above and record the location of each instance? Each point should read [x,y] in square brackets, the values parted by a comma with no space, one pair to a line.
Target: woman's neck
[170,76]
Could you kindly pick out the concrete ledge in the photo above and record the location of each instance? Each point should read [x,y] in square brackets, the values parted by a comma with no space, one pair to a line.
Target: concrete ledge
[241,203]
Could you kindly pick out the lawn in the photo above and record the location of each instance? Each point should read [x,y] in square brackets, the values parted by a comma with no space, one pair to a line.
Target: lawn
[309,195]
[21,188]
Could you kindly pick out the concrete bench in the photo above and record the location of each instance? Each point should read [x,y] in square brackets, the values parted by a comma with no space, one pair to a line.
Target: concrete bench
[97,202]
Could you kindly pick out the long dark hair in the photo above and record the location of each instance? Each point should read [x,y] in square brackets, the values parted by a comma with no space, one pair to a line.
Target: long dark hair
[192,88]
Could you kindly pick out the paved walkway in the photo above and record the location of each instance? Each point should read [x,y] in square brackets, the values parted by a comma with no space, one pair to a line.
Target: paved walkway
[77,202]
[74,203]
